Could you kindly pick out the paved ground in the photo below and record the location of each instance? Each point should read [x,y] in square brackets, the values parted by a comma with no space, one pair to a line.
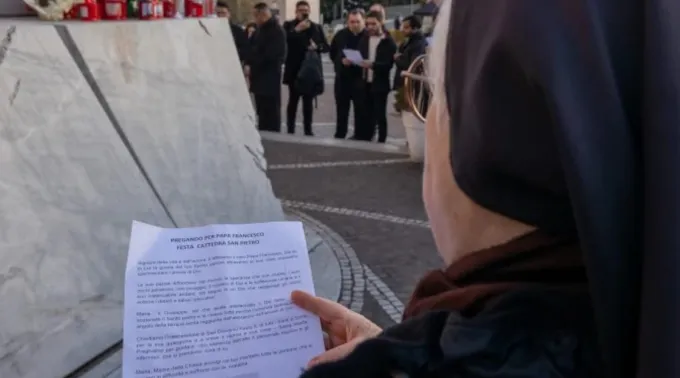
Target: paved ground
[369,197]
[372,200]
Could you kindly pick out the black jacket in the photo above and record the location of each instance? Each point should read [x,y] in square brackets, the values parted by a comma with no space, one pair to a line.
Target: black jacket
[345,39]
[412,48]
[298,44]
[266,58]
[240,41]
[384,60]
[310,81]
[559,122]
[522,334]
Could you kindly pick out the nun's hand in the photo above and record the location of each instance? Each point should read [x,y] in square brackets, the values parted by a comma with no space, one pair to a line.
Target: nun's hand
[345,328]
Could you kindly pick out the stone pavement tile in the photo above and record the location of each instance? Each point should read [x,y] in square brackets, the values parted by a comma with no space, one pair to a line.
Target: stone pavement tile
[326,132]
[390,189]
[398,254]
[325,265]
[375,313]
[289,153]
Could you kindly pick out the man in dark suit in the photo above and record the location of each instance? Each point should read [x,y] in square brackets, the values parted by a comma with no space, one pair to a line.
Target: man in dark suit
[348,81]
[237,32]
[302,35]
[378,51]
[414,46]
[268,53]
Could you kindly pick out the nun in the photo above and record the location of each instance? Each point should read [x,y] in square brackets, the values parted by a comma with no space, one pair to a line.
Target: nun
[552,187]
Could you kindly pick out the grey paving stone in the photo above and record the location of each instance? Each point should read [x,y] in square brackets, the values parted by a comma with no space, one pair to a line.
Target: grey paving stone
[393,190]
[374,312]
[398,254]
[326,268]
[289,153]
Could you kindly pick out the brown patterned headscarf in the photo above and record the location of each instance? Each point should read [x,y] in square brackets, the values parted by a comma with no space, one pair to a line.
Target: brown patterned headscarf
[528,261]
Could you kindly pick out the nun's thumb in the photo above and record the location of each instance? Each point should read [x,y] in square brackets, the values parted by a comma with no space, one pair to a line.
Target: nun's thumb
[336,353]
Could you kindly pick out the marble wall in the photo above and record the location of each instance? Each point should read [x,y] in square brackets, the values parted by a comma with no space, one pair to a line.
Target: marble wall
[101,124]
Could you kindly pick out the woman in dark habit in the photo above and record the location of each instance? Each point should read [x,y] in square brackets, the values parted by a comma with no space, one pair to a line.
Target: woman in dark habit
[552,178]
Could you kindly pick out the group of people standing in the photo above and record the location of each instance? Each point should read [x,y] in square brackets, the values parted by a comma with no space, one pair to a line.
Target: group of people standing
[266,46]
[366,86]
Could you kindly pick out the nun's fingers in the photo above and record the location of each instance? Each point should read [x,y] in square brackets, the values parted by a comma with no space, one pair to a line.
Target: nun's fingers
[325,309]
[327,341]
[334,354]
[330,342]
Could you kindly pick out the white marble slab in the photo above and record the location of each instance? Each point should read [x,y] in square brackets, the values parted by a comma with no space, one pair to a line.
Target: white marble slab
[69,188]
[177,90]
[68,191]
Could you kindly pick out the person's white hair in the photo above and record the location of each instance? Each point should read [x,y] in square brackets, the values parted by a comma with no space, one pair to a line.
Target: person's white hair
[437,60]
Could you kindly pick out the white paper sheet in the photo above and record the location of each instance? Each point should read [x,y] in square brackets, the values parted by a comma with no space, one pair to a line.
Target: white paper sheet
[213,302]
[353,56]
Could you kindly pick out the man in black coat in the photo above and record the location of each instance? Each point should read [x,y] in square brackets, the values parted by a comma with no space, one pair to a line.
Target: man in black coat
[414,46]
[348,80]
[237,32]
[268,52]
[301,35]
[378,51]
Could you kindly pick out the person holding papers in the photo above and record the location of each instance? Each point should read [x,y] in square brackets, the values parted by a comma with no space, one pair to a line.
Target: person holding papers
[378,51]
[348,81]
[550,183]
[354,56]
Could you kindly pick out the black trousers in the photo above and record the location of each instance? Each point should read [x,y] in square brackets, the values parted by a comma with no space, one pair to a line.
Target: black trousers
[348,91]
[291,111]
[268,109]
[376,115]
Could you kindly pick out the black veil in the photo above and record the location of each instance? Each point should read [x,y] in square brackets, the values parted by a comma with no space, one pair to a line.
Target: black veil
[565,115]
[659,342]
